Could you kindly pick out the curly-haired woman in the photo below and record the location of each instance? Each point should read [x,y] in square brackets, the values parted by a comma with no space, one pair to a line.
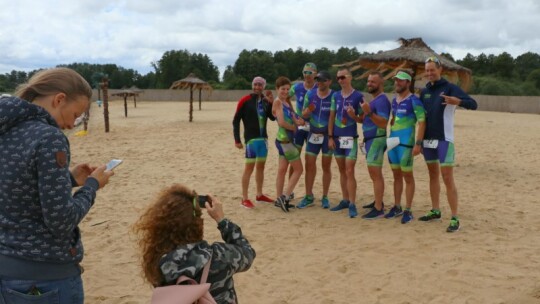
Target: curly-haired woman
[171,240]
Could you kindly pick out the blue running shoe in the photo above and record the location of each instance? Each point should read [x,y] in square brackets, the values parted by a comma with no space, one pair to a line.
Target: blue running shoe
[342,205]
[394,212]
[407,217]
[371,205]
[325,202]
[352,211]
[373,214]
[307,201]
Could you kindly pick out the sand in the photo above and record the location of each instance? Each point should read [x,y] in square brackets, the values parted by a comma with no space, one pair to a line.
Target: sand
[313,255]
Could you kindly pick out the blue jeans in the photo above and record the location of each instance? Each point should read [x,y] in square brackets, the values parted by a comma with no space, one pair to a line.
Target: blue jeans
[65,291]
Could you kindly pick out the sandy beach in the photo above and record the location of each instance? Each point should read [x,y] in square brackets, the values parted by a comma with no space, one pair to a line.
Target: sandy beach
[313,255]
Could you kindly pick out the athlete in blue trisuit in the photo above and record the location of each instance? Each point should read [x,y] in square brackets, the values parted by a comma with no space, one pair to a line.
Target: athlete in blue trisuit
[317,109]
[407,113]
[298,91]
[440,99]
[343,138]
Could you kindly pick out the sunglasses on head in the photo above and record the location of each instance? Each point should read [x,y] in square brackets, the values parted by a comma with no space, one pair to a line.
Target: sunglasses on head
[307,72]
[434,59]
[342,77]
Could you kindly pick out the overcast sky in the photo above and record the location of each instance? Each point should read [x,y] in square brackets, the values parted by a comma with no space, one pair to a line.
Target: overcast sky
[133,33]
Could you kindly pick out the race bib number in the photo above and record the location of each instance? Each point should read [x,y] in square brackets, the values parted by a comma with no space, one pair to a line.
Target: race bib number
[346,142]
[363,149]
[392,142]
[316,139]
[431,143]
[304,127]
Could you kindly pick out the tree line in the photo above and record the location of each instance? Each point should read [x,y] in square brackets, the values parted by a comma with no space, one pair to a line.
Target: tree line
[492,74]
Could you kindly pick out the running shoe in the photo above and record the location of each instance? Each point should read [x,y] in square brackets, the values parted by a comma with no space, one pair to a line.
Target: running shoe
[373,214]
[394,212]
[454,225]
[352,211]
[372,205]
[342,205]
[431,215]
[248,204]
[307,201]
[291,196]
[407,217]
[325,202]
[282,203]
[264,198]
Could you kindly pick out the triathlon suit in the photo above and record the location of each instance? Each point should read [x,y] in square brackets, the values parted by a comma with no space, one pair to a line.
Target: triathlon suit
[405,115]
[439,136]
[284,138]
[299,91]
[253,111]
[345,127]
[318,122]
[375,137]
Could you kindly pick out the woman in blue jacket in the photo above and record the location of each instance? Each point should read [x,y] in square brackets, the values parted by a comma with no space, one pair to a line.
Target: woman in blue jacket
[40,243]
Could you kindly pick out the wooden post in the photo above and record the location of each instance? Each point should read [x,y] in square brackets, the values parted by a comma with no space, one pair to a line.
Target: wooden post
[200,90]
[125,104]
[104,87]
[191,103]
[413,72]
[135,99]
[87,117]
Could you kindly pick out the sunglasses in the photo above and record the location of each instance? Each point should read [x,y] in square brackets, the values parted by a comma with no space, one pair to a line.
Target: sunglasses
[434,59]
[343,77]
[307,72]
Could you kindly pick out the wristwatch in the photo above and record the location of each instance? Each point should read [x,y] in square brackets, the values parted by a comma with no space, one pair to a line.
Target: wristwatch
[418,143]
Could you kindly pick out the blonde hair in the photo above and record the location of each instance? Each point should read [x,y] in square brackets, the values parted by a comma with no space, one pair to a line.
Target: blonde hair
[54,81]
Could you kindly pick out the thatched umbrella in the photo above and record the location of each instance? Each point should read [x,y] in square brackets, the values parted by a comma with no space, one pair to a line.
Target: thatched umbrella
[410,55]
[125,93]
[193,83]
[134,89]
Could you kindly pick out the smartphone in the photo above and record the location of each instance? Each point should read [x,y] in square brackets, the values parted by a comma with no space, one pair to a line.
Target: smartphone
[203,199]
[113,164]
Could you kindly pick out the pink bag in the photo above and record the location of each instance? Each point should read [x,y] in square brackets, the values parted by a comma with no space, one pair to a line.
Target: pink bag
[185,294]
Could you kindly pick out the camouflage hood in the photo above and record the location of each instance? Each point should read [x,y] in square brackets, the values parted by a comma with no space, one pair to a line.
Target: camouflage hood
[188,260]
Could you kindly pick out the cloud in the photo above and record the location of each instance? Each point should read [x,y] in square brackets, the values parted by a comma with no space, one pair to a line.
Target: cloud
[135,33]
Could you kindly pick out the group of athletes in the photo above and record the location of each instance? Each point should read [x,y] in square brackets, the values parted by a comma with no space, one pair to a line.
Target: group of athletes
[326,122]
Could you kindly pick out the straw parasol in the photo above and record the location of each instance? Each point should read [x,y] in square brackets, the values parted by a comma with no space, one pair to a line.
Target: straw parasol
[410,55]
[134,89]
[193,83]
[126,93]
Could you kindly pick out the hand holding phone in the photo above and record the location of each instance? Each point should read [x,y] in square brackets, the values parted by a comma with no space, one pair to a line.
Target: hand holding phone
[203,199]
[113,163]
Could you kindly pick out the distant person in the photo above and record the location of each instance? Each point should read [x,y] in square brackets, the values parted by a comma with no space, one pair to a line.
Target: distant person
[376,115]
[407,113]
[287,121]
[343,138]
[254,110]
[172,245]
[317,105]
[440,99]
[40,241]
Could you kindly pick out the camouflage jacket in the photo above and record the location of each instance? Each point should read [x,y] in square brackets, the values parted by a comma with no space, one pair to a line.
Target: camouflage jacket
[235,255]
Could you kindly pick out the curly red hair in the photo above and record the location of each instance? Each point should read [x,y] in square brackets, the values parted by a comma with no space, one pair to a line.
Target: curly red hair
[170,221]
